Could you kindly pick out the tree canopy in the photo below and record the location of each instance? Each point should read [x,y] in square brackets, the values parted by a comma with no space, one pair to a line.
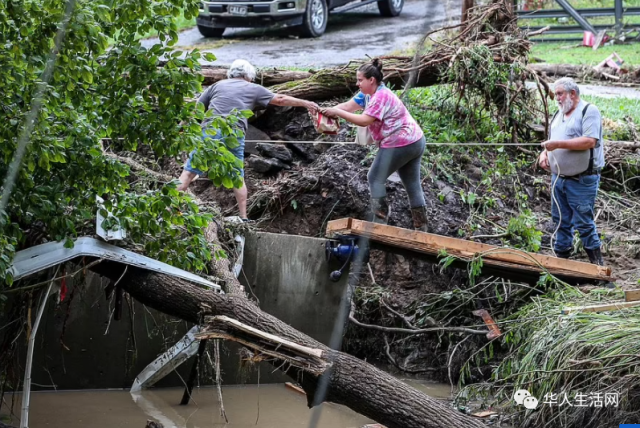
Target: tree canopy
[105,92]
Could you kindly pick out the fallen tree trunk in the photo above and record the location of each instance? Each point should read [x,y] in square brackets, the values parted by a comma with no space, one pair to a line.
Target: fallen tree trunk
[353,383]
[339,82]
[265,77]
[584,72]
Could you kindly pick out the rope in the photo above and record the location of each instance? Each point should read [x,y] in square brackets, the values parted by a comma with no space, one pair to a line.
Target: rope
[553,198]
[353,142]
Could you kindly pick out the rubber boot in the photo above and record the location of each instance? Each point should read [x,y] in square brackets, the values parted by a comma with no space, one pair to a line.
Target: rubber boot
[419,215]
[379,210]
[563,254]
[595,257]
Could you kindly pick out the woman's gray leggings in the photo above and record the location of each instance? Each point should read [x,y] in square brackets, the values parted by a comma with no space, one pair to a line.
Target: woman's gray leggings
[405,160]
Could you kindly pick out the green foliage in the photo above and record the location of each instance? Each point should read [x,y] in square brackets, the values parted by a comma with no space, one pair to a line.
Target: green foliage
[434,107]
[446,259]
[94,92]
[475,269]
[7,250]
[485,88]
[579,353]
[523,232]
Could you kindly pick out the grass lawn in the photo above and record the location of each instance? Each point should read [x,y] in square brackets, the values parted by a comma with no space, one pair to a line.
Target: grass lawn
[553,52]
[584,4]
[568,53]
[616,108]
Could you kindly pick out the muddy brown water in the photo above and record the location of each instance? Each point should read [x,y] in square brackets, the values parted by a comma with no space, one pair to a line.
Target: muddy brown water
[264,406]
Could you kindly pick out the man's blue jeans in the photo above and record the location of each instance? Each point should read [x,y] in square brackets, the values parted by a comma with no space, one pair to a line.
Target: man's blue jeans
[574,211]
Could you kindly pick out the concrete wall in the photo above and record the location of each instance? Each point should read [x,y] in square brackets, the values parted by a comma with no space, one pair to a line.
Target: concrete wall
[290,277]
[288,274]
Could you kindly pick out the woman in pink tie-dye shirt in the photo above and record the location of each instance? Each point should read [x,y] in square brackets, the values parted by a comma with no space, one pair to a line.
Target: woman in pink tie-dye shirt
[399,138]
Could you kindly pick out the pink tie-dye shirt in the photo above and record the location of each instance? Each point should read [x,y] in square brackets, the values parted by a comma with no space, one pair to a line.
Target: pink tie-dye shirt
[394,126]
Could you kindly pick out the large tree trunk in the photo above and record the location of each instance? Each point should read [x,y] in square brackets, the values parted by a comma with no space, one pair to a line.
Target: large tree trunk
[339,82]
[265,77]
[585,72]
[353,383]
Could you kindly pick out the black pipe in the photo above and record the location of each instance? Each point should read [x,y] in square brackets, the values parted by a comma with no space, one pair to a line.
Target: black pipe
[619,12]
[194,373]
[118,309]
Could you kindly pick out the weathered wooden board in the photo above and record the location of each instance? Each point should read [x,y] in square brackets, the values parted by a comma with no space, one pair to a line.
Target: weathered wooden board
[429,243]
[631,295]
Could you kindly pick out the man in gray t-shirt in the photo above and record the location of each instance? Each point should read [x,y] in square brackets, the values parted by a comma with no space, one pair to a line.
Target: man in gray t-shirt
[232,95]
[574,154]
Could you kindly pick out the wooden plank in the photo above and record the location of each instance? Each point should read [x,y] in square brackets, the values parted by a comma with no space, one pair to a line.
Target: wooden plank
[631,295]
[340,224]
[432,244]
[616,306]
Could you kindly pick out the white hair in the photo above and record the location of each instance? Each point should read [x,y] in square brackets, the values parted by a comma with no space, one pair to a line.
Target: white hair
[242,68]
[568,84]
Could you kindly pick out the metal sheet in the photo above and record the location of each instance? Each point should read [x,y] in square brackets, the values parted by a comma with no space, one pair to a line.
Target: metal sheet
[168,361]
[35,259]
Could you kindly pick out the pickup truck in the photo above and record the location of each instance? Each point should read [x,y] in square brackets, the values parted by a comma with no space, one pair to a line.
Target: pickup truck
[310,16]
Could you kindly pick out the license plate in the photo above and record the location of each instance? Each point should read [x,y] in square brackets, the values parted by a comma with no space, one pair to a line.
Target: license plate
[238,10]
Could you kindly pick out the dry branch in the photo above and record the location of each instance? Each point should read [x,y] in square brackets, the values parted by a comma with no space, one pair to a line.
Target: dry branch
[308,359]
[138,167]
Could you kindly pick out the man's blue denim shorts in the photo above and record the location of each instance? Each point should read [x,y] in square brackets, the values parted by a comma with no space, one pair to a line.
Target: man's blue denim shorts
[238,152]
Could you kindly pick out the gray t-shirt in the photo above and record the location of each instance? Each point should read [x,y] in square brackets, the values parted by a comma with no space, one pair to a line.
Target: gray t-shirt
[573,162]
[226,95]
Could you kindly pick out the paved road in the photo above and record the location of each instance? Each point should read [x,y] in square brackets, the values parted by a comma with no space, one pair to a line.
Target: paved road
[610,91]
[350,35]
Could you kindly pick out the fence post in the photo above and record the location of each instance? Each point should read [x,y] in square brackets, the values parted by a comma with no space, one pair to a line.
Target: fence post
[619,13]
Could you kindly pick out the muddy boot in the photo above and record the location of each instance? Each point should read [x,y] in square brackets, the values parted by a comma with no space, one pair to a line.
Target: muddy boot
[419,215]
[563,254]
[595,256]
[379,210]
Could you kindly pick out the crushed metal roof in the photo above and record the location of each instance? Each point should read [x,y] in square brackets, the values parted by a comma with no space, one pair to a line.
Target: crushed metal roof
[34,259]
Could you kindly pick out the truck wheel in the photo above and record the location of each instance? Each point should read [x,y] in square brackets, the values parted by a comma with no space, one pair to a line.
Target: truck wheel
[315,18]
[210,32]
[390,7]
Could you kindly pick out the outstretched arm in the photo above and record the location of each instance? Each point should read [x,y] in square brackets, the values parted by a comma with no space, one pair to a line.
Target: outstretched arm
[286,100]
[350,106]
[356,119]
